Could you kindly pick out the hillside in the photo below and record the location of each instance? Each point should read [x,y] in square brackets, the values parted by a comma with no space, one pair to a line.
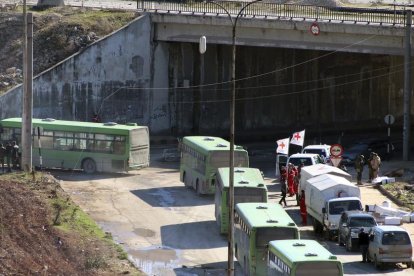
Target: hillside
[43,232]
[58,33]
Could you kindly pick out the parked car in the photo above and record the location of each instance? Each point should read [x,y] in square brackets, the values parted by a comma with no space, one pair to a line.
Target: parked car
[307,159]
[322,150]
[365,147]
[350,225]
[390,244]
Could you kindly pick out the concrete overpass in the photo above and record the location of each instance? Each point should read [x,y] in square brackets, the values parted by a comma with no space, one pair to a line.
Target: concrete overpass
[345,30]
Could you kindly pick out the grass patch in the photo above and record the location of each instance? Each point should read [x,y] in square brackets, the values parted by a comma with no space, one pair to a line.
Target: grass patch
[401,191]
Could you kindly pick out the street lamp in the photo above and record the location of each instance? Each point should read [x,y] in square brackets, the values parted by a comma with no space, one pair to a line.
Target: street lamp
[230,270]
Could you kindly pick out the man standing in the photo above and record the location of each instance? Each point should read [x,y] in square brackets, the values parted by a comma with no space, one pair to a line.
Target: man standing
[370,171]
[283,190]
[363,238]
[2,155]
[302,207]
[359,167]
[291,175]
[15,155]
[375,164]
[9,152]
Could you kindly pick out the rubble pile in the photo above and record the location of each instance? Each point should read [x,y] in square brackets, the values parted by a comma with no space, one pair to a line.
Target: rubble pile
[10,78]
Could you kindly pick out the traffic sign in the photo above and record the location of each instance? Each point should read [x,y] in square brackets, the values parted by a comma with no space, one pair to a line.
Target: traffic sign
[314,28]
[336,150]
[335,160]
[389,119]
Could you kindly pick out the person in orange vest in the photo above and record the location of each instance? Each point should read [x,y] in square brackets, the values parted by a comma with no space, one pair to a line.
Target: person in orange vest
[291,175]
[302,207]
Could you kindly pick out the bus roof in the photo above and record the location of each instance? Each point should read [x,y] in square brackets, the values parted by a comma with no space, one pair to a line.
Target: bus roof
[243,177]
[301,251]
[106,128]
[257,215]
[209,143]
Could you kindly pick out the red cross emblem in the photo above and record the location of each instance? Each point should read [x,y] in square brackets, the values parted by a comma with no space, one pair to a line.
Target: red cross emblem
[282,145]
[297,136]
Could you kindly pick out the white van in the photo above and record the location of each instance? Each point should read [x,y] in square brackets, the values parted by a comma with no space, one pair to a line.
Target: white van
[308,159]
[323,150]
[390,244]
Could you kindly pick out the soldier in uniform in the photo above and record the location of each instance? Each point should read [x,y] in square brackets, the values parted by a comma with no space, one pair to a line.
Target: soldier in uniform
[370,172]
[359,167]
[375,164]
[2,155]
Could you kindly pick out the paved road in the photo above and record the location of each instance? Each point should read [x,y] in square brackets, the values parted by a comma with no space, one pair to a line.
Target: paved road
[168,230]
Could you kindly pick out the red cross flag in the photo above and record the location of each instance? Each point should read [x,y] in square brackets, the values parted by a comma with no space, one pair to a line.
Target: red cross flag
[298,138]
[283,146]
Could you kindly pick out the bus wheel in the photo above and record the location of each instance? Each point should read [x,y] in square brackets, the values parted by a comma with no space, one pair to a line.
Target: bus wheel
[88,165]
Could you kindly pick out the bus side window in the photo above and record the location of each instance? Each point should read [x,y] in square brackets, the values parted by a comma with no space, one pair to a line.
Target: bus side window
[90,145]
[119,147]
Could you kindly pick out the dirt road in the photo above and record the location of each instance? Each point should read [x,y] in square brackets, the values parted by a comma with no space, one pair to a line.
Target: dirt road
[168,230]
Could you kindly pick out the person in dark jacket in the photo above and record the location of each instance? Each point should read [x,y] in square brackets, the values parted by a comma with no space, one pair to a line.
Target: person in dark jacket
[9,153]
[283,190]
[363,239]
[2,155]
[359,167]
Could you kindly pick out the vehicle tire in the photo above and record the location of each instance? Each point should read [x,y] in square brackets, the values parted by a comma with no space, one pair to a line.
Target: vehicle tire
[378,265]
[409,264]
[89,165]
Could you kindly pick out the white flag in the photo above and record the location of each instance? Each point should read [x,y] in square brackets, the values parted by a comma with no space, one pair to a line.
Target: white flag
[283,146]
[298,138]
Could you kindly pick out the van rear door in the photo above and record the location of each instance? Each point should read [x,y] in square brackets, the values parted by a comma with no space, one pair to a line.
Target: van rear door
[281,160]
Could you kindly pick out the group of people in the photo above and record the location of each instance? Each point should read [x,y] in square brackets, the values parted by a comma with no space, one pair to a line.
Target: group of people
[289,181]
[10,155]
[373,162]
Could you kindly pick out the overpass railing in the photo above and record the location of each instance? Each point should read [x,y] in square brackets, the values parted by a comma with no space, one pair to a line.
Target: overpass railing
[280,11]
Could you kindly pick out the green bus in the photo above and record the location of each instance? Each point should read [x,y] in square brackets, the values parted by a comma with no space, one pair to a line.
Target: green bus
[249,186]
[93,147]
[255,225]
[301,258]
[201,156]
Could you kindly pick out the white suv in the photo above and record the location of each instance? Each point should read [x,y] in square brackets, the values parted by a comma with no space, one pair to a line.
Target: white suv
[323,150]
[308,159]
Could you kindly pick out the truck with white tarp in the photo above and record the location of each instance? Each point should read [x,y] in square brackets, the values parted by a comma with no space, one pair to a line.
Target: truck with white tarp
[319,169]
[326,197]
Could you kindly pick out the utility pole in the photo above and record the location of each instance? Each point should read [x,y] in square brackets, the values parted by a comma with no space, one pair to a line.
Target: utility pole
[26,144]
[230,261]
[407,86]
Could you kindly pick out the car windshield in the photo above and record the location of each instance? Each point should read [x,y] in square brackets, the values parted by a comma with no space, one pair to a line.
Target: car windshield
[362,222]
[337,207]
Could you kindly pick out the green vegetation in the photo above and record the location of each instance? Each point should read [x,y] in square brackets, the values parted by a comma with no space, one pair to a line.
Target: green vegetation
[403,192]
[68,218]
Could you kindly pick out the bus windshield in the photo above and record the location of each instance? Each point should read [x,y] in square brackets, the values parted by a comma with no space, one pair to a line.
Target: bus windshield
[221,159]
[264,235]
[318,268]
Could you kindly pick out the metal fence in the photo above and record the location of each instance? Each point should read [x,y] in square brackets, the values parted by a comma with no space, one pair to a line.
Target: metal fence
[270,10]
